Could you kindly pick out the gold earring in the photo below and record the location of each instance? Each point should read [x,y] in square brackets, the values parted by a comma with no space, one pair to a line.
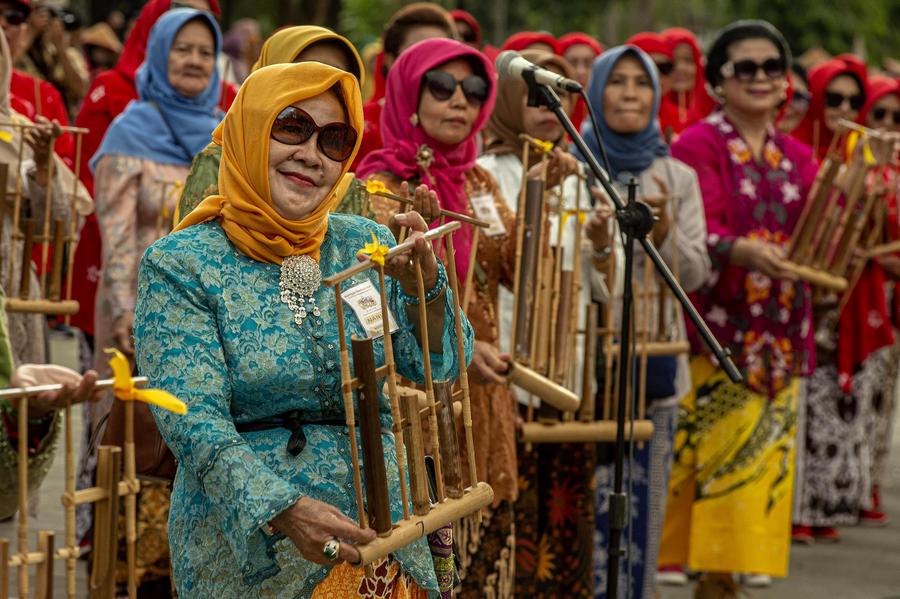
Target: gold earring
[414,119]
[719,91]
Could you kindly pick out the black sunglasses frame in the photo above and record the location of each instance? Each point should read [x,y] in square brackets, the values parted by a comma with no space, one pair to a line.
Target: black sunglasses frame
[879,114]
[337,155]
[836,100]
[14,16]
[772,68]
[665,68]
[438,85]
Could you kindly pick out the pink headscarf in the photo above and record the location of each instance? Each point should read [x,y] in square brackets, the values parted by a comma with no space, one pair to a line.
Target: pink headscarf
[402,140]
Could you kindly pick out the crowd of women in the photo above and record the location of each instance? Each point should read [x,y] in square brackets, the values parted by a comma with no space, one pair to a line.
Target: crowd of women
[219,206]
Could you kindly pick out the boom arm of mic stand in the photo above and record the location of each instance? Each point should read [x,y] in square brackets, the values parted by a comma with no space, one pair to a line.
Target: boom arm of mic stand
[548,97]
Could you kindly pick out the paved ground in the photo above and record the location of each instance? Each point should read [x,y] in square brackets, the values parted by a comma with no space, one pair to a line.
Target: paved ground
[865,565]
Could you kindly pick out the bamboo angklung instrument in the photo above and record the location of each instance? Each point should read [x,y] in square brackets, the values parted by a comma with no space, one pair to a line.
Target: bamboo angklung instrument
[115,478]
[406,415]
[56,238]
[840,203]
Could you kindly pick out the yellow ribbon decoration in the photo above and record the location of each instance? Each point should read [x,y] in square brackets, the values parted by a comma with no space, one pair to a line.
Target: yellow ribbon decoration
[124,388]
[6,136]
[375,251]
[374,187]
[544,147]
[853,138]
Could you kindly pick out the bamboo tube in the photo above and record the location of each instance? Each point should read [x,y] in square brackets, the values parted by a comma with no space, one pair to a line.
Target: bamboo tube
[392,391]
[4,569]
[101,523]
[657,348]
[857,272]
[608,347]
[812,209]
[839,240]
[130,501]
[377,497]
[55,285]
[449,444]
[838,218]
[599,431]
[528,265]
[520,241]
[468,290]
[22,413]
[538,385]
[412,437]
[478,496]
[44,577]
[48,214]
[816,277]
[73,224]
[15,393]
[17,212]
[350,418]
[460,352]
[851,239]
[12,304]
[589,366]
[444,213]
[563,336]
[642,381]
[27,248]
[71,543]
[113,530]
[429,382]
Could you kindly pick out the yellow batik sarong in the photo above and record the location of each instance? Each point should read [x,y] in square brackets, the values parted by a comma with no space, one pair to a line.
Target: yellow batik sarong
[386,581]
[729,504]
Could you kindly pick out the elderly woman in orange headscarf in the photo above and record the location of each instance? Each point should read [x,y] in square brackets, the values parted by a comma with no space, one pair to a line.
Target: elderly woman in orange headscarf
[291,44]
[233,319]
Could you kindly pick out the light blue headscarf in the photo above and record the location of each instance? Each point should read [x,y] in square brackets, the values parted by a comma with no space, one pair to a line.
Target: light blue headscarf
[631,153]
[162,125]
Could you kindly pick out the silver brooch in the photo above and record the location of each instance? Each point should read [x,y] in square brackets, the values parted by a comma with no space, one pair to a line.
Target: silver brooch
[300,278]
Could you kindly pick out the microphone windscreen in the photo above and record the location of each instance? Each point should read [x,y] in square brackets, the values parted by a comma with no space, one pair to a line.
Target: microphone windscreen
[504,59]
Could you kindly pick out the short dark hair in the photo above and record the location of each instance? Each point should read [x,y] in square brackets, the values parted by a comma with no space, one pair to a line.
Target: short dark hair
[417,14]
[736,32]
[800,71]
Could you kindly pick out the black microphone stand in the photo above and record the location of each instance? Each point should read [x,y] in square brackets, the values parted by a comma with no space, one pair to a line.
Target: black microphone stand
[635,220]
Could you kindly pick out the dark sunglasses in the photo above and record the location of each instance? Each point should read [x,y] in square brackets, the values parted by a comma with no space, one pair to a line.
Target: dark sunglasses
[746,70]
[442,86]
[294,127]
[835,100]
[801,97]
[881,114]
[665,68]
[13,16]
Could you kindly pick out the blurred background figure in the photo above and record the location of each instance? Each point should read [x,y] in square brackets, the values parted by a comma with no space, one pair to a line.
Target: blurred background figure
[467,27]
[798,102]
[240,49]
[101,48]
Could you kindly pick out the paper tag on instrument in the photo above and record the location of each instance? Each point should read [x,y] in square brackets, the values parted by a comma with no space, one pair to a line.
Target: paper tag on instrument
[366,303]
[485,209]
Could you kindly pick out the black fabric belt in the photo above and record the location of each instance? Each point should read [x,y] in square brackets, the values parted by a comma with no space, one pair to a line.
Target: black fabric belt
[292,420]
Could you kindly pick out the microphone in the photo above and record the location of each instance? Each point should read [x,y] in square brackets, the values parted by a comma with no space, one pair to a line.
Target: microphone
[511,64]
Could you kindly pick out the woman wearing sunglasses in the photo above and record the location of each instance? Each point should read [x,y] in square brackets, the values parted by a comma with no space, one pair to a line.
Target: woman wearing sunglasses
[291,44]
[688,100]
[798,101]
[729,504]
[430,139]
[838,91]
[232,318]
[626,94]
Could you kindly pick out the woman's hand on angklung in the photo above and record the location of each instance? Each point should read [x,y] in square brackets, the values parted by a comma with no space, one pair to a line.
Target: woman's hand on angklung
[762,256]
[560,165]
[39,140]
[75,388]
[488,365]
[425,201]
[597,228]
[310,524]
[401,265]
[123,330]
[658,203]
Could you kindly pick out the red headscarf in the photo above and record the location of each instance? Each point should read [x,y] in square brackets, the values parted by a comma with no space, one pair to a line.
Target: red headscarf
[526,39]
[879,87]
[459,14]
[579,112]
[812,130]
[651,43]
[577,37]
[697,104]
[402,139]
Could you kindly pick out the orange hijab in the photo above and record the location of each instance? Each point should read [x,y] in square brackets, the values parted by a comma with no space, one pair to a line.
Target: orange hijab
[244,204]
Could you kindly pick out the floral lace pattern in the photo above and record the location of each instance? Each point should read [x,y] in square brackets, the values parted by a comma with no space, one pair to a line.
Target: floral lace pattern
[211,329]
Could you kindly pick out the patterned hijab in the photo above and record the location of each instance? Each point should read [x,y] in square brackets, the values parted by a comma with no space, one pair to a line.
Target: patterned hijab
[402,140]
[244,202]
